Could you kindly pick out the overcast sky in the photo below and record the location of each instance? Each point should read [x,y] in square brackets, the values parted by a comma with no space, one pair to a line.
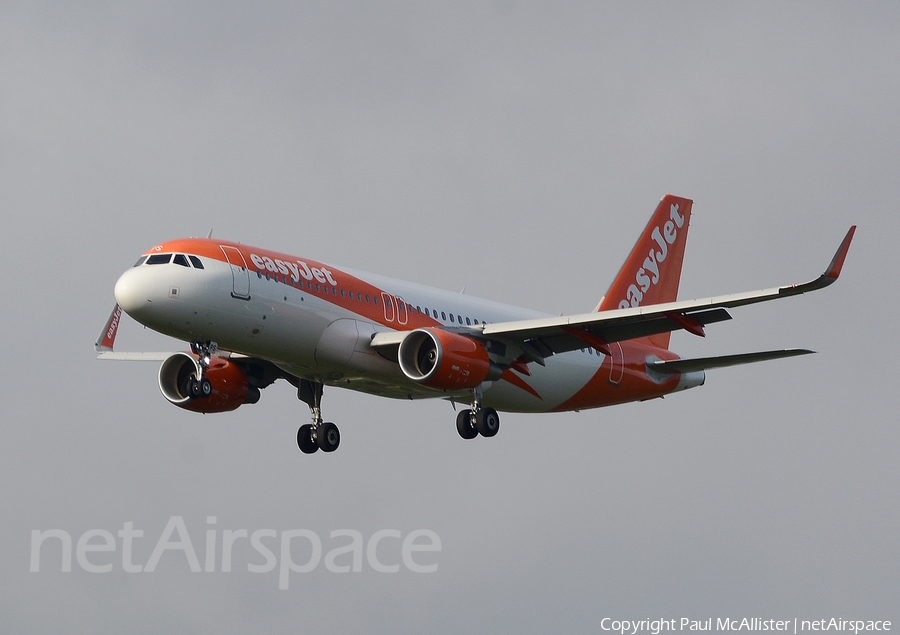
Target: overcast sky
[513,148]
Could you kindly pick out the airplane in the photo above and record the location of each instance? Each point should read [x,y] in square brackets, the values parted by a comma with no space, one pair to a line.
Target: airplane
[253,316]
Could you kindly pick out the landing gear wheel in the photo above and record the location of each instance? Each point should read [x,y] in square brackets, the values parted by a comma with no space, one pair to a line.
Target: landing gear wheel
[487,422]
[200,389]
[328,437]
[305,441]
[464,425]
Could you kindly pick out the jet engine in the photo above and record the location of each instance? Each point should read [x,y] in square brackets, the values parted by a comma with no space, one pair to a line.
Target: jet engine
[227,379]
[445,361]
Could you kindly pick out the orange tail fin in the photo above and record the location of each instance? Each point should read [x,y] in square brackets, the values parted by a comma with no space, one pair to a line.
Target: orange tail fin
[652,272]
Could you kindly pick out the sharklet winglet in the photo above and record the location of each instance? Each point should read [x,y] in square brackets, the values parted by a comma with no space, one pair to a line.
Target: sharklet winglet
[107,339]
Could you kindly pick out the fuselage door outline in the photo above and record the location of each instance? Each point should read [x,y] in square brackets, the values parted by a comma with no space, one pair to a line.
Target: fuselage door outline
[240,273]
[616,364]
[389,308]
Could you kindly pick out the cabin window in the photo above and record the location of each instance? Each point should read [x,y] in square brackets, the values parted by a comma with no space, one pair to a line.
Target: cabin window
[443,316]
[451,318]
[468,322]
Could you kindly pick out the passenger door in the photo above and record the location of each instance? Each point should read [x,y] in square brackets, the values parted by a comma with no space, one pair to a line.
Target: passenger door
[240,274]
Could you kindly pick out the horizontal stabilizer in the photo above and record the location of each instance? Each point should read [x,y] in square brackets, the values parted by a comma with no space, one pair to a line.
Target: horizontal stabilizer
[705,363]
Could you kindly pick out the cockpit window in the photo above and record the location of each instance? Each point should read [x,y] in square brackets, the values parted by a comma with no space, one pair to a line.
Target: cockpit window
[159,259]
[181,259]
[196,262]
[140,261]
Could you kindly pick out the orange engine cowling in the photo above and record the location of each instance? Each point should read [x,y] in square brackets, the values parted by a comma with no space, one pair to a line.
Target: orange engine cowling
[445,361]
[230,387]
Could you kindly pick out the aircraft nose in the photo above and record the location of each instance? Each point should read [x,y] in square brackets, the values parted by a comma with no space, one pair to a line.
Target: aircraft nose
[133,292]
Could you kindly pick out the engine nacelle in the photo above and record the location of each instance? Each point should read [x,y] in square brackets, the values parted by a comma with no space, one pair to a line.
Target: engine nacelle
[445,361]
[230,387]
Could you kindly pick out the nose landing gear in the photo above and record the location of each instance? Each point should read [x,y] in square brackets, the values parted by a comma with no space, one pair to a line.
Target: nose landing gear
[199,387]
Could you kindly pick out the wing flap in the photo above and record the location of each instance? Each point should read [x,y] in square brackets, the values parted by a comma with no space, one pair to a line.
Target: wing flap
[560,338]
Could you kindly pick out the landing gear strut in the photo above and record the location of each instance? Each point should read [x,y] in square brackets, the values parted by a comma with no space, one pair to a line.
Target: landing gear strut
[478,420]
[317,435]
[200,386]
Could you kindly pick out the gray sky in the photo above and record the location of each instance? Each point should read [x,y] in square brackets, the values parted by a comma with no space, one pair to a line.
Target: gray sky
[514,148]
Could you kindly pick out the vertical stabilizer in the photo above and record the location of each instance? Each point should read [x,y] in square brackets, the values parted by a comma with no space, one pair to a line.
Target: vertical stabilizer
[652,272]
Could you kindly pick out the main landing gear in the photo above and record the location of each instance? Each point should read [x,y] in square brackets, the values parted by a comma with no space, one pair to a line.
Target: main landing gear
[325,436]
[317,435]
[477,420]
[199,387]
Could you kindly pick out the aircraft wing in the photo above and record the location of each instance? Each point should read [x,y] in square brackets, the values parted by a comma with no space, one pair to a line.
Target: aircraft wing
[135,357]
[543,337]
[107,340]
[566,333]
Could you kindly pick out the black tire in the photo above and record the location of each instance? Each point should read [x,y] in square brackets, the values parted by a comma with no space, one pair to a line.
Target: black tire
[487,422]
[305,441]
[328,437]
[464,425]
[194,389]
[205,388]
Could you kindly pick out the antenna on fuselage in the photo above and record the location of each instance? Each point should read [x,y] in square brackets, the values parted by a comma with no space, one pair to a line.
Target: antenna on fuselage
[209,235]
